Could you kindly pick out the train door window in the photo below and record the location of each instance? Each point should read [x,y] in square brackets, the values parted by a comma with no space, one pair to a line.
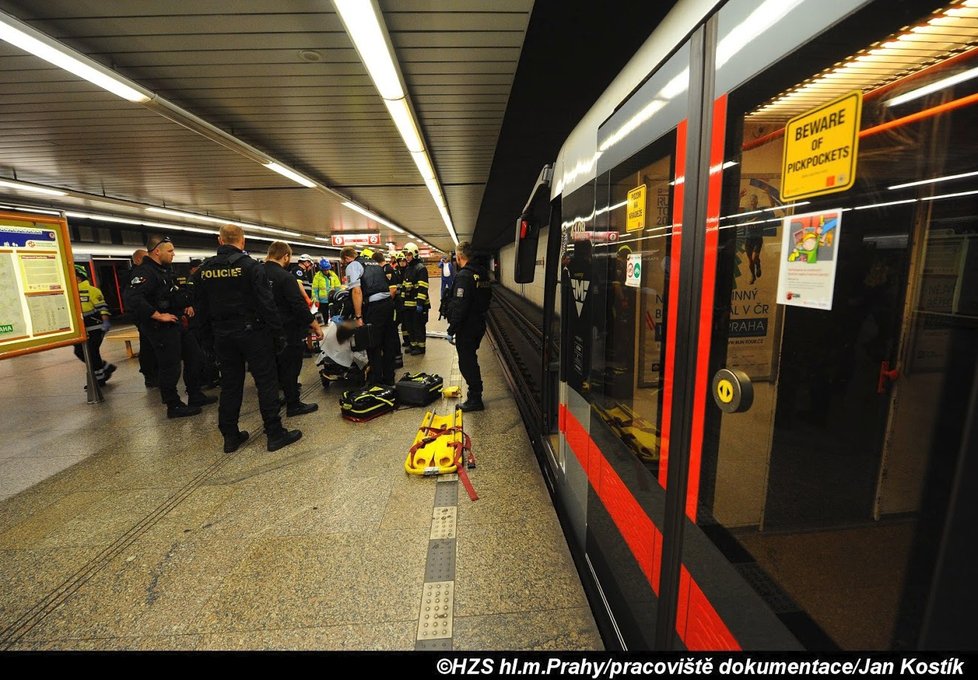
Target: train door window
[626,376]
[851,314]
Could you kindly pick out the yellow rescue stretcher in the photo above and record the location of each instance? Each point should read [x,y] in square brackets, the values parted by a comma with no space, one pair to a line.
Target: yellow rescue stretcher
[441,447]
[435,447]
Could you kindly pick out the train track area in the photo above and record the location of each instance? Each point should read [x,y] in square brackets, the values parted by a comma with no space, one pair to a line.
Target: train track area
[517,332]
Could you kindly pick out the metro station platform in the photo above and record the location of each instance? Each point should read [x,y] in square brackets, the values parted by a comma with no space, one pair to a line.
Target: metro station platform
[123,530]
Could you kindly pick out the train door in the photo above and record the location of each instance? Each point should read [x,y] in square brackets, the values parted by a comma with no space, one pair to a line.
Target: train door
[838,334]
[616,265]
[110,274]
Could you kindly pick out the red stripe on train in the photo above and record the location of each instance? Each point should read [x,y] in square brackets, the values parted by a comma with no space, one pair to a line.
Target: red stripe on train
[697,623]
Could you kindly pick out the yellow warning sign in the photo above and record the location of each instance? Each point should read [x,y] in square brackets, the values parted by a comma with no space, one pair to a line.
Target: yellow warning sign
[820,149]
[636,209]
[725,391]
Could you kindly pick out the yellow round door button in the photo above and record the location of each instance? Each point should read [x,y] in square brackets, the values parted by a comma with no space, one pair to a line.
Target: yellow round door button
[725,391]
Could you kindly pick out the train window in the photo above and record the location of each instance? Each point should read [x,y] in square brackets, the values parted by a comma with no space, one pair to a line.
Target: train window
[631,274]
[828,495]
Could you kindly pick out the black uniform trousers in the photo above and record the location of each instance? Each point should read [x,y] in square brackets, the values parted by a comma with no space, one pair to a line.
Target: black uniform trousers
[95,336]
[417,324]
[147,357]
[172,344]
[289,364]
[234,349]
[467,343]
[380,356]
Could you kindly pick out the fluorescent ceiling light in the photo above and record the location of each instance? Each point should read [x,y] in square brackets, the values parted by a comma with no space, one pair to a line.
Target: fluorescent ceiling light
[946,178]
[26,38]
[20,186]
[178,227]
[369,35]
[448,223]
[933,87]
[361,22]
[30,210]
[291,174]
[190,216]
[218,220]
[424,164]
[401,113]
[373,216]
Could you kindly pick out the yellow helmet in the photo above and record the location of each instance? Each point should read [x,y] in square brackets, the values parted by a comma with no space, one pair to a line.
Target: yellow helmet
[366,252]
[398,255]
[412,248]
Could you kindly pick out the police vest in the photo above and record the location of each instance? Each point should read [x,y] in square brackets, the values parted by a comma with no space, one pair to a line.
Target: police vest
[373,280]
[228,288]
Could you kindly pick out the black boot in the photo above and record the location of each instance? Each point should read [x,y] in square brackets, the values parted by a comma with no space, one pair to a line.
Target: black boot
[473,403]
[180,410]
[299,409]
[234,441]
[201,399]
[282,437]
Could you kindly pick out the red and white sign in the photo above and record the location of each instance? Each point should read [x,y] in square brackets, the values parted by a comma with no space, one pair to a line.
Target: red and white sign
[355,239]
[596,236]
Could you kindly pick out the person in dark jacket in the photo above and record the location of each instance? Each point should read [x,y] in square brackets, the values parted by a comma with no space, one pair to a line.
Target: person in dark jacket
[236,307]
[297,321]
[469,302]
[147,358]
[158,303]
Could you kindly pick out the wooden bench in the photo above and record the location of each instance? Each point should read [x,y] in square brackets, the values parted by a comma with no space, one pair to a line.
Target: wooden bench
[127,335]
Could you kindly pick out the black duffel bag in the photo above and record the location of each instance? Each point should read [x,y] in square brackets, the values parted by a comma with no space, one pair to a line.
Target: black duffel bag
[367,403]
[419,389]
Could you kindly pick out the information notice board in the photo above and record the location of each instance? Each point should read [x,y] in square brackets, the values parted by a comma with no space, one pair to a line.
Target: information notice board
[39,304]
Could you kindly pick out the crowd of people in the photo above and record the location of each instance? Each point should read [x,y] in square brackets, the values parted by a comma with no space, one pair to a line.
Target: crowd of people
[234,312]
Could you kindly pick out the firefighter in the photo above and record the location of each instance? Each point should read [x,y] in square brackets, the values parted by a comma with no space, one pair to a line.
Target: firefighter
[236,305]
[372,304]
[400,263]
[416,303]
[470,297]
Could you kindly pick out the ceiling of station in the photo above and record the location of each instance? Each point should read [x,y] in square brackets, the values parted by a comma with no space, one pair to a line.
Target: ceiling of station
[281,76]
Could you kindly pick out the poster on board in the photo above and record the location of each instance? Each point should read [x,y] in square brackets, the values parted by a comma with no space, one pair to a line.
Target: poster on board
[806,277]
[39,304]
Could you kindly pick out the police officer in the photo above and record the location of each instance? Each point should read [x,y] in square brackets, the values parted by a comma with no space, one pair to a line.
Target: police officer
[297,321]
[158,304]
[235,302]
[372,304]
[470,297]
[416,302]
[147,358]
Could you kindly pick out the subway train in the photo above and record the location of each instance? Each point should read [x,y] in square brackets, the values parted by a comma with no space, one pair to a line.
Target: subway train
[754,267]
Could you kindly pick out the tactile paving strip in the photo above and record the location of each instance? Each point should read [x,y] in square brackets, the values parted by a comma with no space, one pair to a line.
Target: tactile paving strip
[446,495]
[441,561]
[443,523]
[435,621]
[443,645]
